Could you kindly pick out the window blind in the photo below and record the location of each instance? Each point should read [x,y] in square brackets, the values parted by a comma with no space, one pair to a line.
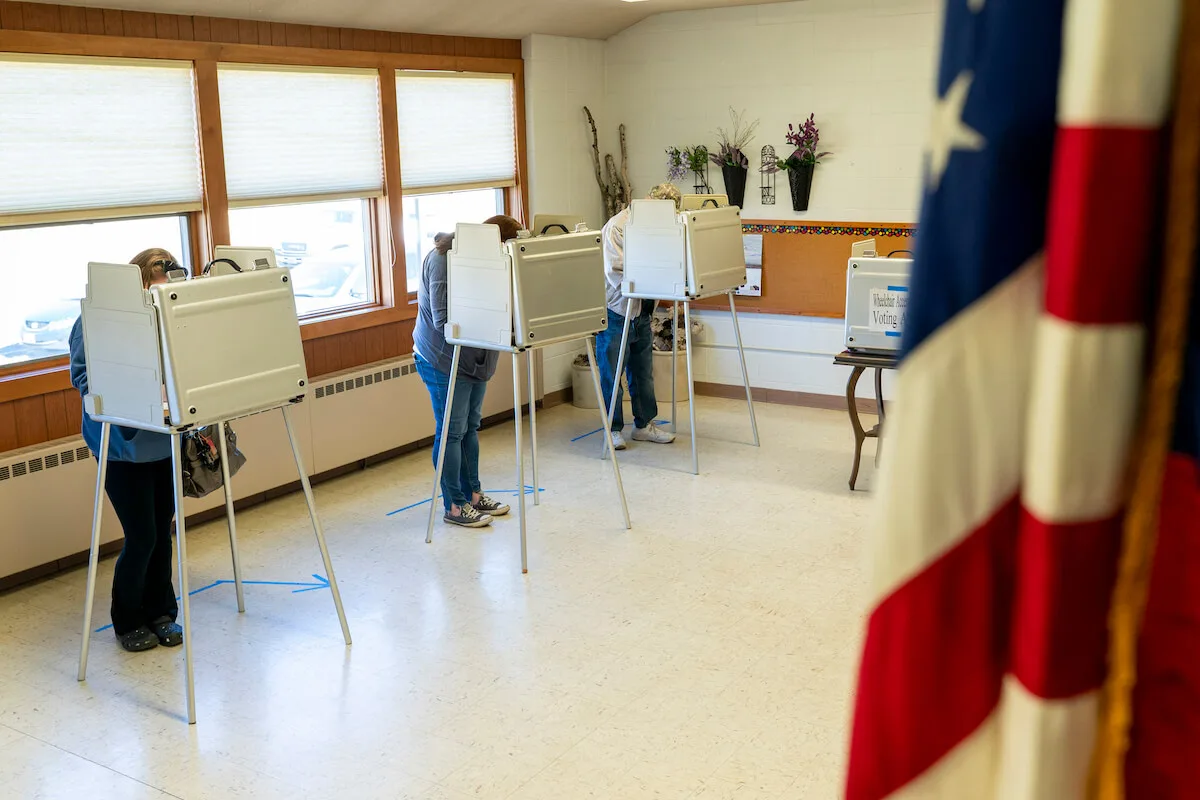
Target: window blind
[298,133]
[457,131]
[90,138]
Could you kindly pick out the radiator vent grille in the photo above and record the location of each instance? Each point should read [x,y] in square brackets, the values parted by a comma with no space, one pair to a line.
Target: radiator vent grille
[363,381]
[42,463]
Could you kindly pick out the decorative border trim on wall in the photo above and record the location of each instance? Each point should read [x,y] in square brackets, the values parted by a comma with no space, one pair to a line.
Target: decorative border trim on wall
[833,230]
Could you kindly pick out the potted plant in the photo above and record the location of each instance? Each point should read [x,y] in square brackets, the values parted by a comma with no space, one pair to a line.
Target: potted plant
[801,163]
[664,335]
[730,156]
[694,159]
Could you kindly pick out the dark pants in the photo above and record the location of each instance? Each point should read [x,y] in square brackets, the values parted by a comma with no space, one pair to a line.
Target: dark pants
[639,366]
[460,469]
[143,497]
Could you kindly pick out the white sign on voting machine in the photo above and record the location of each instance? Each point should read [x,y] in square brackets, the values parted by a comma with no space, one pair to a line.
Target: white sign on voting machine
[888,308]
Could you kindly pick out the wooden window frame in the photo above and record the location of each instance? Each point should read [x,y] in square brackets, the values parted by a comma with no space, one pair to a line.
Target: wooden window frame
[210,227]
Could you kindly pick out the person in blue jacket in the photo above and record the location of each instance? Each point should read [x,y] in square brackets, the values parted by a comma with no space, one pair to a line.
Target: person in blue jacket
[140,485]
[465,503]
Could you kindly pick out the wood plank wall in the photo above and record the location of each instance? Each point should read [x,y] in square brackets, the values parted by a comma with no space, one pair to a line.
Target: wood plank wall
[48,18]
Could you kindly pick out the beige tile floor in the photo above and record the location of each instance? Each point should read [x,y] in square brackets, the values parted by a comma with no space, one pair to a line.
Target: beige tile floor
[708,653]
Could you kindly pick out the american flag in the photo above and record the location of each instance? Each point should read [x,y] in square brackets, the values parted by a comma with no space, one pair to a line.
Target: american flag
[998,531]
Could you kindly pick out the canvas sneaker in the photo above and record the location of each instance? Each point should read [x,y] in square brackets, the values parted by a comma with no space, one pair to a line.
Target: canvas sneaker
[653,433]
[468,517]
[488,506]
[618,440]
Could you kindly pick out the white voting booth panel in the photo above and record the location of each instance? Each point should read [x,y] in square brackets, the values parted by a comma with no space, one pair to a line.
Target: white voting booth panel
[120,342]
[876,303]
[655,256]
[479,307]
[231,345]
[716,253]
[558,285]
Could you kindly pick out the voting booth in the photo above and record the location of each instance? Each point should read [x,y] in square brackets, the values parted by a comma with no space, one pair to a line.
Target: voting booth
[876,303]
[514,298]
[160,361]
[697,202]
[683,257]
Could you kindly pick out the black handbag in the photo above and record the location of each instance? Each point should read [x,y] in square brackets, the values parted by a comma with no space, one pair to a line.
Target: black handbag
[202,460]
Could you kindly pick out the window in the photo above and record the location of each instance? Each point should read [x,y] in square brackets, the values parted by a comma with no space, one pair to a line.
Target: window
[457,131]
[99,160]
[458,152]
[43,275]
[304,165]
[427,215]
[326,245]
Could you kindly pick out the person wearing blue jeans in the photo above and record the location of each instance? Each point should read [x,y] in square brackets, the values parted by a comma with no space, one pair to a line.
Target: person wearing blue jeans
[639,358]
[466,504]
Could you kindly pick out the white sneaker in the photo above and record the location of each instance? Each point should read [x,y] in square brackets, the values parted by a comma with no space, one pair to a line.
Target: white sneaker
[618,440]
[653,433]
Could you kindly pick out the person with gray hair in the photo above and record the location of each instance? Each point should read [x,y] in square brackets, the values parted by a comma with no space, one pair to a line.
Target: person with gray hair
[639,360]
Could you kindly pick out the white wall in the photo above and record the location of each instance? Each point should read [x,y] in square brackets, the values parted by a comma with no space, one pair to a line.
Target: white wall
[864,67]
[563,75]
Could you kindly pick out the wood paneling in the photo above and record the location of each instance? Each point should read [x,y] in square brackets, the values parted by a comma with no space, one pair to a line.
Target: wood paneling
[212,153]
[804,267]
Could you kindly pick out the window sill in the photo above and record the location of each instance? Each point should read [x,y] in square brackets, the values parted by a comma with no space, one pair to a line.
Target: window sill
[51,375]
[355,319]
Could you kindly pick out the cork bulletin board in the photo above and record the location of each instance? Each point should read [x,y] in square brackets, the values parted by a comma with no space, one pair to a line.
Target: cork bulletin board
[804,265]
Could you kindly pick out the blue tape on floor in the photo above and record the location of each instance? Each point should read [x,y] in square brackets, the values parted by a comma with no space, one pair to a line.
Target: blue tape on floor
[322,583]
[528,490]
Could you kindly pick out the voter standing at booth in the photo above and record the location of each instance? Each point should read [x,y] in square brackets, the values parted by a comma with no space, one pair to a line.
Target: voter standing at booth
[465,503]
[639,359]
[140,485]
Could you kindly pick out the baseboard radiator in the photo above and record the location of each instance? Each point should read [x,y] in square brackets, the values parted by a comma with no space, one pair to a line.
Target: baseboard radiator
[46,491]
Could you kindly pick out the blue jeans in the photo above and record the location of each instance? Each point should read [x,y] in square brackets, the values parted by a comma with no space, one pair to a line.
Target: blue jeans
[460,472]
[639,366]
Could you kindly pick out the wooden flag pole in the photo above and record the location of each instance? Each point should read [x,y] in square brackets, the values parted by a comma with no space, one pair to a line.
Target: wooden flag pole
[1107,778]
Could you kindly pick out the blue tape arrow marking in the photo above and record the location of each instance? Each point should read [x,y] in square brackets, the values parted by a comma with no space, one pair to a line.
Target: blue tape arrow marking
[322,583]
[528,490]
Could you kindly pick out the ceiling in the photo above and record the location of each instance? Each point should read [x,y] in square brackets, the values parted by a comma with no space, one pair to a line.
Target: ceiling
[507,19]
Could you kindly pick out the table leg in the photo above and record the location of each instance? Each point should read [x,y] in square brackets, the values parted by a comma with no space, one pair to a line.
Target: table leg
[859,434]
[882,413]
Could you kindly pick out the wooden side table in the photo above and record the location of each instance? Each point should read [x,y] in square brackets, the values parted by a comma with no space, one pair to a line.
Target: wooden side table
[860,362]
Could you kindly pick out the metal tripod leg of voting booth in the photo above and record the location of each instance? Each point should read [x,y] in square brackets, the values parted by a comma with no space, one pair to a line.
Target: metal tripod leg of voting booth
[532,424]
[519,441]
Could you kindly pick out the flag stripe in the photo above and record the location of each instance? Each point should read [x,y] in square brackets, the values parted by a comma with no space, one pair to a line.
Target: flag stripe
[1100,190]
[1116,62]
[1045,746]
[917,698]
[1065,576]
[1080,419]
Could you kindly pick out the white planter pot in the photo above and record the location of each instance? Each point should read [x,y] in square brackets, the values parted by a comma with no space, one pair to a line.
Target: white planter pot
[583,393]
[662,376]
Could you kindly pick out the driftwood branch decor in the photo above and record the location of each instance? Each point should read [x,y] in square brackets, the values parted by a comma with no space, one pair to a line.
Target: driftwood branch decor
[614,184]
